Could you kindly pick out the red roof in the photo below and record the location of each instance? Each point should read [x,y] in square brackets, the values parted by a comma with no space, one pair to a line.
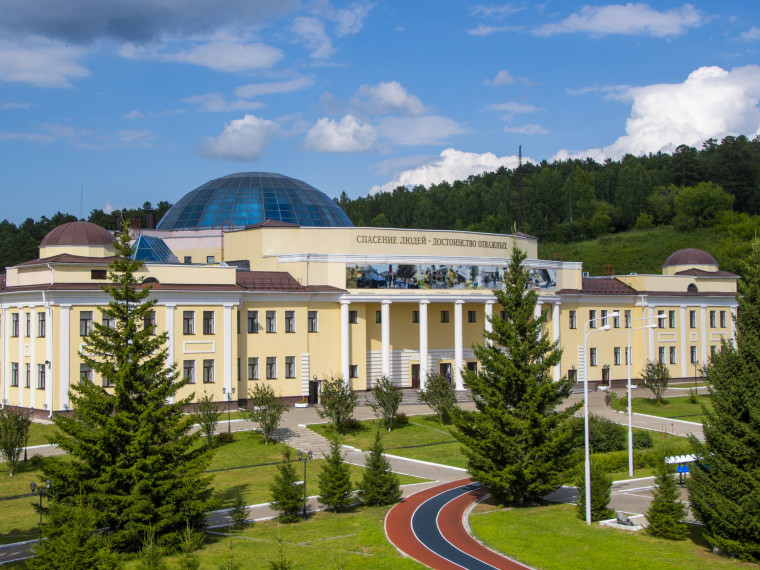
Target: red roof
[690,256]
[69,258]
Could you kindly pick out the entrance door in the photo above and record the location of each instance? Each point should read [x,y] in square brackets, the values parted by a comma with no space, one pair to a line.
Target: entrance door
[445,370]
[606,375]
[313,392]
[415,375]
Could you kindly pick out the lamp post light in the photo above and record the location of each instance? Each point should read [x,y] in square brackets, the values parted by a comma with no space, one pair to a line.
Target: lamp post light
[304,457]
[229,403]
[587,457]
[40,490]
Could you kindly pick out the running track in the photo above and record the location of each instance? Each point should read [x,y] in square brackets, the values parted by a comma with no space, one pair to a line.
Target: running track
[429,527]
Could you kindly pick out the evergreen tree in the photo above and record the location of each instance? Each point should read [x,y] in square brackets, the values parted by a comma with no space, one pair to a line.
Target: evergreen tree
[287,497]
[517,443]
[206,415]
[666,511]
[132,453]
[335,479]
[724,488]
[239,513]
[338,402]
[379,485]
[601,489]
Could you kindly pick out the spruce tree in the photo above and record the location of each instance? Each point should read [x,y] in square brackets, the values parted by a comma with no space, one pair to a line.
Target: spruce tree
[666,511]
[379,485]
[724,488]
[601,490]
[132,453]
[287,497]
[517,443]
[335,488]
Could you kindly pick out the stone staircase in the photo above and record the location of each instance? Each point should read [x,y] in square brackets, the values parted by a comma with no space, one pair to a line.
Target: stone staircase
[411,396]
[302,438]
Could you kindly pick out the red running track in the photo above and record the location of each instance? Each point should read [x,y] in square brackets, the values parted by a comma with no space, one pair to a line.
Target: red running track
[450,524]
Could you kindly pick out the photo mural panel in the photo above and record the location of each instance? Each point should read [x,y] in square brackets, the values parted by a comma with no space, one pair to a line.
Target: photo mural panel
[432,276]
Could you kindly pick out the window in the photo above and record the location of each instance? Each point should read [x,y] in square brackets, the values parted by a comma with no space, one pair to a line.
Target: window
[444,316]
[672,319]
[40,376]
[188,370]
[108,321]
[14,374]
[85,323]
[188,322]
[353,317]
[604,318]
[503,315]
[353,371]
[713,321]
[40,325]
[253,321]
[723,319]
[713,350]
[237,321]
[592,319]
[693,354]
[210,259]
[85,373]
[616,320]
[14,324]
[573,320]
[693,319]
[672,354]
[27,375]
[271,367]
[661,354]
[661,321]
[378,316]
[472,366]
[271,321]
[290,367]
[98,274]
[313,321]
[415,316]
[208,371]
[290,321]
[208,322]
[616,356]
[627,319]
[472,317]
[27,324]
[150,322]
[572,375]
[627,354]
[188,260]
[253,368]
[592,357]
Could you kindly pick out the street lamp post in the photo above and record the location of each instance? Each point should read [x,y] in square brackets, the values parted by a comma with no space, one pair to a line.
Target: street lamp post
[40,490]
[304,457]
[587,457]
[229,404]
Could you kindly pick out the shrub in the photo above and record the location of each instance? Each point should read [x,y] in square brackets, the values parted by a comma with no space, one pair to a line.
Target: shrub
[352,424]
[401,420]
[225,437]
[642,440]
[605,435]
[601,487]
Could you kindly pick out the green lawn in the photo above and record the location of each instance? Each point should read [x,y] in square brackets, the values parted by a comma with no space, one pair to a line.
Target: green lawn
[552,536]
[672,408]
[421,430]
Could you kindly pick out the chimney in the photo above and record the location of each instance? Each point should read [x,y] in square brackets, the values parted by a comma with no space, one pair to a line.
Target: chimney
[150,223]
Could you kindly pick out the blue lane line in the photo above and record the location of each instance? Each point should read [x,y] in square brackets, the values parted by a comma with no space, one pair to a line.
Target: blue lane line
[425,528]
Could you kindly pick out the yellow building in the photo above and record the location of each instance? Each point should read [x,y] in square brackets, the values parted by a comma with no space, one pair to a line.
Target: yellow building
[275,285]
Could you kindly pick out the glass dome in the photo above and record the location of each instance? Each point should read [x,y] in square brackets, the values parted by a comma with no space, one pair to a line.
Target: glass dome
[249,198]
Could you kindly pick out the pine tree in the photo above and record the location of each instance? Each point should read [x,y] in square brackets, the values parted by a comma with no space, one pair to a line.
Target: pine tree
[666,511]
[132,453]
[724,488]
[239,514]
[287,497]
[379,485]
[335,479]
[517,443]
[601,489]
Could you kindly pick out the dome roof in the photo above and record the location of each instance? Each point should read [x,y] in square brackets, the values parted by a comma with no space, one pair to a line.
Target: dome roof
[690,256]
[77,233]
[249,198]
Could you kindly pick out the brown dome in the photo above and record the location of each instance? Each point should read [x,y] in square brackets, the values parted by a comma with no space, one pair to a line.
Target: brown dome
[690,256]
[77,233]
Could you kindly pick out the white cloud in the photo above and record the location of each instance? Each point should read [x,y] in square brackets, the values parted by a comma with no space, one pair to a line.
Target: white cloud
[386,97]
[133,114]
[256,89]
[350,21]
[242,139]
[451,165]
[47,133]
[512,107]
[483,31]
[311,33]
[751,35]
[711,103]
[218,103]
[226,55]
[504,77]
[497,11]
[427,129]
[346,135]
[628,19]
[14,105]
[529,129]
[40,62]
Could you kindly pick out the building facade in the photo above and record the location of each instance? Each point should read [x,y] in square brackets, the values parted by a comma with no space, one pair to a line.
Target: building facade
[257,278]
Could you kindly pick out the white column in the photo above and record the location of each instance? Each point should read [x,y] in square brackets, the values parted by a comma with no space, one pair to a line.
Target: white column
[385,317]
[228,336]
[684,330]
[65,366]
[33,360]
[649,353]
[345,341]
[424,344]
[21,363]
[169,316]
[49,358]
[489,324]
[537,315]
[458,360]
[6,358]
[555,337]
[704,334]
[732,316]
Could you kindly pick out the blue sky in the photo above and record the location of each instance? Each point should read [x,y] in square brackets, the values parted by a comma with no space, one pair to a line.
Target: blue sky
[124,101]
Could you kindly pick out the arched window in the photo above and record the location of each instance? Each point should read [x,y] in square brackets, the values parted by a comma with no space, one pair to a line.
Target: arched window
[692,288]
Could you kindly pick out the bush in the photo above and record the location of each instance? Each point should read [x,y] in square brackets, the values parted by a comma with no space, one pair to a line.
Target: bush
[352,424]
[225,437]
[401,420]
[604,436]
[642,440]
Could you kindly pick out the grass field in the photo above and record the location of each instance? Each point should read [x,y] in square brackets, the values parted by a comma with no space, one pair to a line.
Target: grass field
[421,430]
[552,537]
[681,408]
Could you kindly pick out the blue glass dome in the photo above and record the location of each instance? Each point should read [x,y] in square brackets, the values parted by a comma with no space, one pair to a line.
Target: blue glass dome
[249,198]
